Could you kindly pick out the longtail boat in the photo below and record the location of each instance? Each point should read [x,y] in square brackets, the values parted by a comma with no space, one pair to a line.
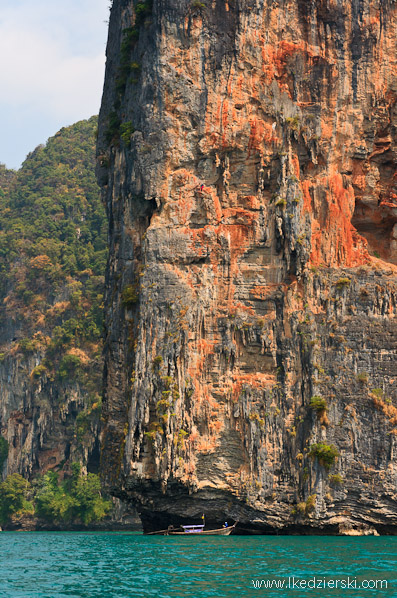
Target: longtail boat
[194,530]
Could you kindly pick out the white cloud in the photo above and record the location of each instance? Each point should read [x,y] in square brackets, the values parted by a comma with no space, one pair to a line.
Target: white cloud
[52,57]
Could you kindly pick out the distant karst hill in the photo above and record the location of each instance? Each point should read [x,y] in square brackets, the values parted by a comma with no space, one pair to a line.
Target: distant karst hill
[52,262]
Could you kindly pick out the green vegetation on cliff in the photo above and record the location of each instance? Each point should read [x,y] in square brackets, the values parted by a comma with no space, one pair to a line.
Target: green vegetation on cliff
[52,223]
[76,499]
[13,497]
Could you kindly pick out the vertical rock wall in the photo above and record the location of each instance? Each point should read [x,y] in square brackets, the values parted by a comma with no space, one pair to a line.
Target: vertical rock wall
[38,419]
[247,155]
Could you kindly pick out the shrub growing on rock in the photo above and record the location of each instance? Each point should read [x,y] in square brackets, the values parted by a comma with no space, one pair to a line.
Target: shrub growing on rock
[325,454]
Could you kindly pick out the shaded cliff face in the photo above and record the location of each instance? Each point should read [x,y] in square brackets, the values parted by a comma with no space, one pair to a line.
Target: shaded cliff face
[247,157]
[52,258]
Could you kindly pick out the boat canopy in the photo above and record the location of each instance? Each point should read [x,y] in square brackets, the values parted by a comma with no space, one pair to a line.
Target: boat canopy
[193,529]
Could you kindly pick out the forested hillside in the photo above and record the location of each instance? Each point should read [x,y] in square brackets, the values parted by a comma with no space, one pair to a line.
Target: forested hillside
[52,261]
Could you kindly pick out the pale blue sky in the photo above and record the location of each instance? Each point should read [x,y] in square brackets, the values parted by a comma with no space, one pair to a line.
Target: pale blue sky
[52,60]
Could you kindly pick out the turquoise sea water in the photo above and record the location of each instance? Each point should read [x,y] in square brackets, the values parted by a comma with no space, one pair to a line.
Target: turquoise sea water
[124,565]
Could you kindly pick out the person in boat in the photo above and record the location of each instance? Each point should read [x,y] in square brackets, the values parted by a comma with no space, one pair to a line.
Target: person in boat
[225,524]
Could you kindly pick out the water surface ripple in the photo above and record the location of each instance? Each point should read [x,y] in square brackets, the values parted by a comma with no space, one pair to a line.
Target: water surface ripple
[124,565]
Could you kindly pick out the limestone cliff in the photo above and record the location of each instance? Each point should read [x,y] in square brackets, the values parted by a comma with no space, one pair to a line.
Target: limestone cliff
[247,154]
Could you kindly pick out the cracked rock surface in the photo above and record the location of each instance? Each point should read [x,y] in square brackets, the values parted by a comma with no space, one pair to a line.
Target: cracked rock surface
[247,154]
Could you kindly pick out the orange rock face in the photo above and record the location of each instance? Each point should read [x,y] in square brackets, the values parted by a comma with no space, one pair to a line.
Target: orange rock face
[253,211]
